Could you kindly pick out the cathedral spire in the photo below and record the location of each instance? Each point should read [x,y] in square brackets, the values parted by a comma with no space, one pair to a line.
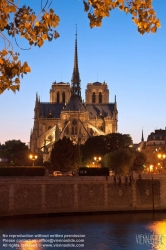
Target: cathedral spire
[75,88]
[36,106]
[142,139]
[37,100]
[115,104]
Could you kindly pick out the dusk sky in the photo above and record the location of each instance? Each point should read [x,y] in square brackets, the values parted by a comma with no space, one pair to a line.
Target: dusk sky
[133,66]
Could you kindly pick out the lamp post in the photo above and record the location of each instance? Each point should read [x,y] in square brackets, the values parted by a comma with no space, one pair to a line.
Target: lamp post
[33,158]
[97,160]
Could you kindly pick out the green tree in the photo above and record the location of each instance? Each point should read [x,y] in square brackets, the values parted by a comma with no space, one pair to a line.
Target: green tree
[120,161]
[16,20]
[65,155]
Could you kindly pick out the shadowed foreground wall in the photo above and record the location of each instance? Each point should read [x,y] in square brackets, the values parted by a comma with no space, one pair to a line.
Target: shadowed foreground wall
[45,195]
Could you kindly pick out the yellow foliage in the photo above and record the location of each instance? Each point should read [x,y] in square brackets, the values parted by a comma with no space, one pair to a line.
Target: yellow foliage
[158,23]
[126,10]
[153,29]
[38,28]
[142,12]
[1,61]
[11,8]
[40,42]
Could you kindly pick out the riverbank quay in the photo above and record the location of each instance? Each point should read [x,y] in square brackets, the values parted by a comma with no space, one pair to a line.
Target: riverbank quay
[46,195]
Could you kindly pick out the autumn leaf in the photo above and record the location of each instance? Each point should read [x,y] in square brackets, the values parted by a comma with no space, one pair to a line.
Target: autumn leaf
[1,61]
[153,29]
[56,35]
[40,42]
[37,24]
[86,6]
[126,10]
[4,52]
[11,8]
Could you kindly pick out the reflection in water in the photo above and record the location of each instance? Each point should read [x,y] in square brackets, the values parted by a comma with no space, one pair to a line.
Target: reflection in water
[102,232]
[158,232]
[30,245]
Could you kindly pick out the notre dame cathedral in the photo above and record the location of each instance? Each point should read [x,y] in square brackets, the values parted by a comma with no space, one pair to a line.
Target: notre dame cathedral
[67,115]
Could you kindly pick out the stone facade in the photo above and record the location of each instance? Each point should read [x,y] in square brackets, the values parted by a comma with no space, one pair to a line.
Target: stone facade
[155,150]
[155,144]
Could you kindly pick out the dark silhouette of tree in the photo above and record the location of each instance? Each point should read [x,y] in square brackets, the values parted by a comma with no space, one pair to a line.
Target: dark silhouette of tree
[65,155]
[101,145]
[120,161]
[15,152]
[139,161]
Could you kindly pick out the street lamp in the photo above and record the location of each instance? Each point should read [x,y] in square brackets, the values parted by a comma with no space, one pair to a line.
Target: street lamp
[162,158]
[33,158]
[97,160]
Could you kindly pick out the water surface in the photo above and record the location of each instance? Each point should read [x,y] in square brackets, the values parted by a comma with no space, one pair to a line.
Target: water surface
[127,231]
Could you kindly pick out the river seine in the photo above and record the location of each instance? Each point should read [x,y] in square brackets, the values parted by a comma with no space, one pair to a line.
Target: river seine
[124,231]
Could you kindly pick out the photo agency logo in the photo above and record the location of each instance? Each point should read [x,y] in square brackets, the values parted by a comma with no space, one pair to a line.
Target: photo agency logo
[150,239]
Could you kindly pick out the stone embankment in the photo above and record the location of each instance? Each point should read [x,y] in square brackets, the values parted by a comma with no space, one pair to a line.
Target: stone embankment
[52,195]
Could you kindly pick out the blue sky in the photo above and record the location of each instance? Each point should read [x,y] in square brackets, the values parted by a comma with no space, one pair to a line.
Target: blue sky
[133,66]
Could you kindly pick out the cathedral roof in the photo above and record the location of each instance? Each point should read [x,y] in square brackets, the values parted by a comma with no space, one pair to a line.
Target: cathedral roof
[97,83]
[50,110]
[74,104]
[96,110]
[53,110]
[63,83]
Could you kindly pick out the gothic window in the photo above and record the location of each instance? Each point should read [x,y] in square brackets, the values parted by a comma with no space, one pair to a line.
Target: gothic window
[74,127]
[63,97]
[100,97]
[93,97]
[57,97]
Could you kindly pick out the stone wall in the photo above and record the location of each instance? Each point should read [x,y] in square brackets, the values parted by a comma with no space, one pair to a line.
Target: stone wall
[45,195]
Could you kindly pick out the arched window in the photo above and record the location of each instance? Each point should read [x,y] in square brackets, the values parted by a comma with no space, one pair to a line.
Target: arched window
[74,127]
[57,97]
[63,97]
[100,97]
[93,97]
